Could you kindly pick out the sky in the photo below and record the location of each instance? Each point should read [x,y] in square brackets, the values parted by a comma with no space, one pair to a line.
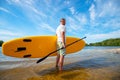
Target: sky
[96,19]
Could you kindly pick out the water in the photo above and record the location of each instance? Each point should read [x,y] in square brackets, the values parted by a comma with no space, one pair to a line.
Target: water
[91,63]
[102,47]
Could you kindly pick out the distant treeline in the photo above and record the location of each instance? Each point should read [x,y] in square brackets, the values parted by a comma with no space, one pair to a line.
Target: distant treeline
[108,42]
[1,42]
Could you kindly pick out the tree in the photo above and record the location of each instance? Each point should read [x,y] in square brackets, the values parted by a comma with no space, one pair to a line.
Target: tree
[108,42]
[1,42]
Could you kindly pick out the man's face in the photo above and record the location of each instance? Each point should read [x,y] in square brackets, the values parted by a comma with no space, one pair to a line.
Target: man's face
[62,22]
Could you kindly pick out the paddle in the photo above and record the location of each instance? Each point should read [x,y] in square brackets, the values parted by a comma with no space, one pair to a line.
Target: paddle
[59,49]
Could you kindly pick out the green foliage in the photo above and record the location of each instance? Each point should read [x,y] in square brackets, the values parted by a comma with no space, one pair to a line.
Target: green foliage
[87,44]
[108,42]
[1,42]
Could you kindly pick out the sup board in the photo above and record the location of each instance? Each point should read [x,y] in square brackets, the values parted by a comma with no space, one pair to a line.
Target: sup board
[38,46]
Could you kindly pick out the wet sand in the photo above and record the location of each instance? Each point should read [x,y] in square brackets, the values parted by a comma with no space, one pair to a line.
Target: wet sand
[95,64]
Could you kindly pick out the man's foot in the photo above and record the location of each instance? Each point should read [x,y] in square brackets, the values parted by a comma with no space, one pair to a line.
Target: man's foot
[57,67]
[60,71]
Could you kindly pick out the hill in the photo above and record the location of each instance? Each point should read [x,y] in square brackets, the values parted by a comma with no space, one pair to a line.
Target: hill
[108,42]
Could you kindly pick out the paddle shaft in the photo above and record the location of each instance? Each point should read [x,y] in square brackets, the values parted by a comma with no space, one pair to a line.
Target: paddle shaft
[59,49]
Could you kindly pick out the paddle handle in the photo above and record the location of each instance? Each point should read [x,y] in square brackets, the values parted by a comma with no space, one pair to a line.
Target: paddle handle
[59,49]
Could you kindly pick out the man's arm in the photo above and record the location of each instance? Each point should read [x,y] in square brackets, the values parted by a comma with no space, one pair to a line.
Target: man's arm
[63,38]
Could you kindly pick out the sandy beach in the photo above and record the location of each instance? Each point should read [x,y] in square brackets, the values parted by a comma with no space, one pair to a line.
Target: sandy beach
[88,64]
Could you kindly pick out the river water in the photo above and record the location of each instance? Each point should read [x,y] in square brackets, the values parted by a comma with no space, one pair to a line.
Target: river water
[91,63]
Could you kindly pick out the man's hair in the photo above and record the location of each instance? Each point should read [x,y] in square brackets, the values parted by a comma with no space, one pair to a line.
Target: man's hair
[62,19]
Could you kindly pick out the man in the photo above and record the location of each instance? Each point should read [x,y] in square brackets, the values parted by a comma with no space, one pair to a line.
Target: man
[60,33]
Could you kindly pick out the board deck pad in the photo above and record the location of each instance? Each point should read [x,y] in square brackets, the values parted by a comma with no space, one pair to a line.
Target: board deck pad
[38,46]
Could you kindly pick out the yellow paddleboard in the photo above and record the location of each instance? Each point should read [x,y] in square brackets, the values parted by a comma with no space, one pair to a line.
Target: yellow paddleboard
[38,46]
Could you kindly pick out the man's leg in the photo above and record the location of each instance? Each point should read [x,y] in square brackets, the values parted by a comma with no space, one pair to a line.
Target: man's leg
[57,59]
[61,60]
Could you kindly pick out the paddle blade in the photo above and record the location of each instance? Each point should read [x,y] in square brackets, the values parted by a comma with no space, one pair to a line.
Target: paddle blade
[41,59]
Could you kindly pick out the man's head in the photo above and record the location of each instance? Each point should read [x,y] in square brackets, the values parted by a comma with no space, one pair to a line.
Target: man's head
[62,21]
